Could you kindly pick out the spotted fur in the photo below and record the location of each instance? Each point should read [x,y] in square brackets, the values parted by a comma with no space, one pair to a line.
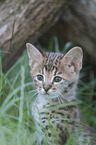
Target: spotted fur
[50,109]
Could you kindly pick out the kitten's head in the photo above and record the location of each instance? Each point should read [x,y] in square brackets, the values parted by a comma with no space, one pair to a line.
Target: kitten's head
[51,70]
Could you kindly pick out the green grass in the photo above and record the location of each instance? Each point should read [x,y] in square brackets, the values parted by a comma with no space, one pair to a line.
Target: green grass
[16,124]
[16,95]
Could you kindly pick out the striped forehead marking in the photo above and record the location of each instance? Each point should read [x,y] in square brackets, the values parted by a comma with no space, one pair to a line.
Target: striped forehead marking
[50,69]
[51,61]
[53,70]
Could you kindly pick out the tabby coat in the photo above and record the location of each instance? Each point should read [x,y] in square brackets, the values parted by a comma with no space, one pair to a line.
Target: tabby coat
[55,77]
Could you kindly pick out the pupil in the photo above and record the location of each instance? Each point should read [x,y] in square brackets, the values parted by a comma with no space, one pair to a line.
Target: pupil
[57,79]
[40,77]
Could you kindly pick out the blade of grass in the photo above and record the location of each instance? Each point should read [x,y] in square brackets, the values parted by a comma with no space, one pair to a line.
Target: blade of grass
[17,76]
[92,139]
[9,105]
[0,75]
[59,106]
[22,95]
[56,44]
[53,131]
[7,82]
[21,105]
[70,136]
[14,66]
[2,138]
[67,46]
[50,48]
[14,92]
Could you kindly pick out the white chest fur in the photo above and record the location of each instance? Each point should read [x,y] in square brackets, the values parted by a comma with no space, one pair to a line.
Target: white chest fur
[38,106]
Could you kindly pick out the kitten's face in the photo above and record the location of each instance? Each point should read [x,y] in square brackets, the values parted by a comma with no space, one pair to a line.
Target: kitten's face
[49,76]
[50,71]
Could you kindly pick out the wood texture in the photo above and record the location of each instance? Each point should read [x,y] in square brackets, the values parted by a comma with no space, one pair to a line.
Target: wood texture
[79,25]
[73,20]
[31,20]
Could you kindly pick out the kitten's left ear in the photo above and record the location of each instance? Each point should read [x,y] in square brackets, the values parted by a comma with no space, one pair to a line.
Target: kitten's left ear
[72,61]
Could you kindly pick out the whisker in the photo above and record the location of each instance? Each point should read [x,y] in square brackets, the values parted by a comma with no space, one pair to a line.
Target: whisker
[30,92]
[34,94]
[29,82]
[63,100]
[57,96]
[30,98]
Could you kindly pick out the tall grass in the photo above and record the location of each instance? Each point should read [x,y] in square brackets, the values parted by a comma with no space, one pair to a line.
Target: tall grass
[16,125]
[16,95]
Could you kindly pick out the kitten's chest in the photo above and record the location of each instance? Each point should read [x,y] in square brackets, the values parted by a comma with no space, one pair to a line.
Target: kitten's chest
[53,118]
[45,111]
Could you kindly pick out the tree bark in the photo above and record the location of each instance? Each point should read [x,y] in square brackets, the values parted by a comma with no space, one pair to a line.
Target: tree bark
[22,21]
[79,25]
[27,19]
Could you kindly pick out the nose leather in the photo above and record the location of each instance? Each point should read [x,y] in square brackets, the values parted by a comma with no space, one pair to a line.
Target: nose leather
[46,87]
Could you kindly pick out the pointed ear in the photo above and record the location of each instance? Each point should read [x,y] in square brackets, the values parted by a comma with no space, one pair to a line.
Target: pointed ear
[72,61]
[35,57]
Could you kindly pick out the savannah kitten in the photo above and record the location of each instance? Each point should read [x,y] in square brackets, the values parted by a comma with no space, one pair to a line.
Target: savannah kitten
[55,76]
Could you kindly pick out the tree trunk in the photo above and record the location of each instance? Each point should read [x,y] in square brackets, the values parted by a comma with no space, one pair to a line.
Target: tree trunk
[26,19]
[22,21]
[79,25]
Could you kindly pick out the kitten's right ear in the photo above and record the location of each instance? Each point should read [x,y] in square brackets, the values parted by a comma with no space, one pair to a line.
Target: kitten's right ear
[72,61]
[35,57]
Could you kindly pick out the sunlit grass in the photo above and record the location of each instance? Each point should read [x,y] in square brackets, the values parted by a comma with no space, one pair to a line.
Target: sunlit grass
[16,95]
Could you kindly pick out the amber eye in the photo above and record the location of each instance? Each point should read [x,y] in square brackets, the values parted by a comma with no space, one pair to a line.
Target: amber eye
[57,79]
[40,77]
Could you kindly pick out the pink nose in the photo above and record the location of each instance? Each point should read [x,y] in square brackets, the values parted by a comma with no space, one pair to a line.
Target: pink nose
[46,87]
